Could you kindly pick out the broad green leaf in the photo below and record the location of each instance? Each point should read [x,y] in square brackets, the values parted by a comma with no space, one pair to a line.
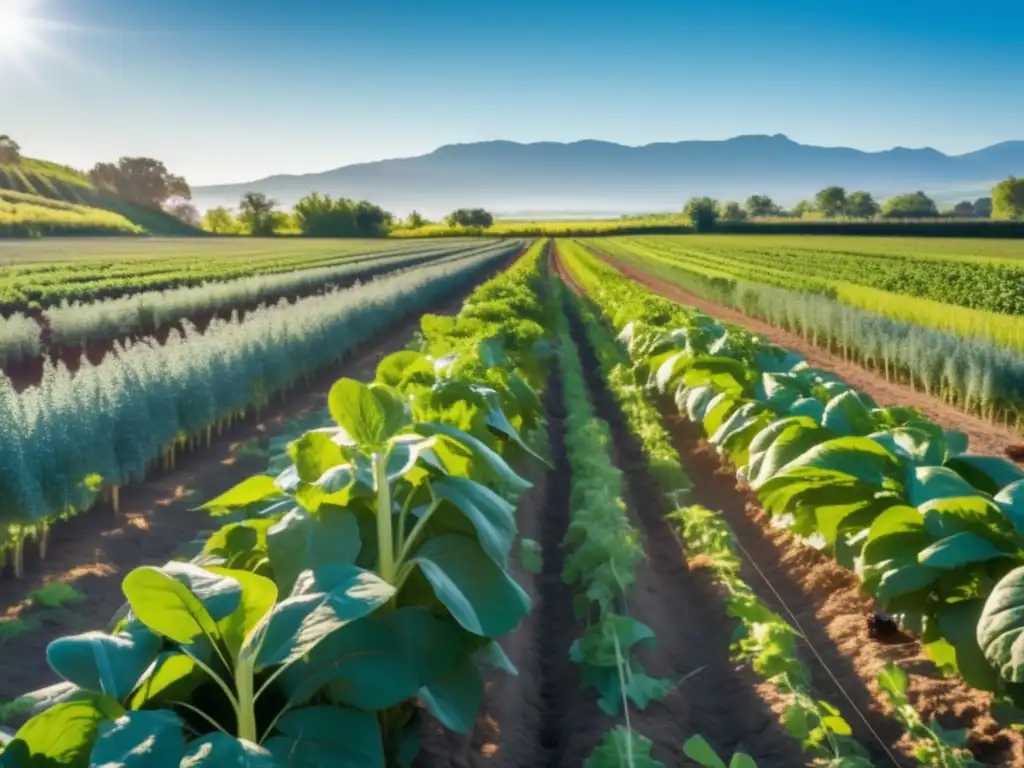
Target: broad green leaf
[847,414]
[958,624]
[62,735]
[259,594]
[494,655]
[481,596]
[141,740]
[322,602]
[1011,501]
[396,409]
[858,457]
[404,367]
[989,474]
[219,750]
[808,406]
[327,736]
[358,411]
[1000,630]
[313,454]
[926,484]
[170,608]
[249,491]
[697,749]
[959,550]
[174,677]
[717,412]
[667,371]
[455,697]
[974,513]
[495,466]
[531,555]
[304,540]
[893,680]
[110,664]
[242,545]
[622,747]
[905,580]
[491,516]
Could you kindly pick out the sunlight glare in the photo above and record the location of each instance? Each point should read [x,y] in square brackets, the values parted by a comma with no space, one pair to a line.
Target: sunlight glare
[17,26]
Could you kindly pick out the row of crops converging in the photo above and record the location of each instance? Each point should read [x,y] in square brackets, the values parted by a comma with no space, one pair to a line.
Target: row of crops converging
[975,364]
[76,438]
[352,602]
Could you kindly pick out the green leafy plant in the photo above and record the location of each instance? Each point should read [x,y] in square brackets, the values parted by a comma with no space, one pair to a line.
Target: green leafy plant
[697,749]
[933,744]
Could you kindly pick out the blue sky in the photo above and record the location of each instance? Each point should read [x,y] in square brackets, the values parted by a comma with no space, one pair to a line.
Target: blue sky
[228,91]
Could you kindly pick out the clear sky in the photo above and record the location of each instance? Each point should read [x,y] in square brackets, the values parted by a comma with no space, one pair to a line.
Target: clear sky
[226,90]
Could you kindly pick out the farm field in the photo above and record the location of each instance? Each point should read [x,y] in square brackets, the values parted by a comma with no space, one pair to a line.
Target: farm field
[87,330]
[566,522]
[975,365]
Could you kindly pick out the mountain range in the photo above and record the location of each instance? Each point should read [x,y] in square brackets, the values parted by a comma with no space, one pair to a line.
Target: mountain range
[604,178]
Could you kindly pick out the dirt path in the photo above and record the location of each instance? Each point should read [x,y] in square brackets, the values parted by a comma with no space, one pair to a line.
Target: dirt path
[984,437]
[93,551]
[541,718]
[715,697]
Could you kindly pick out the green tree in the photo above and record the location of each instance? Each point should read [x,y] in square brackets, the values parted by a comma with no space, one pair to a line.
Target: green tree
[831,201]
[1008,200]
[731,211]
[801,209]
[913,205]
[470,217]
[861,205]
[141,180]
[761,206]
[702,211]
[257,214]
[319,215]
[963,210]
[415,221]
[983,207]
[220,221]
[10,150]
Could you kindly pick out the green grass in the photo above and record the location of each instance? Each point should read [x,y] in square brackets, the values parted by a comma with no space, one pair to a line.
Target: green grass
[97,211]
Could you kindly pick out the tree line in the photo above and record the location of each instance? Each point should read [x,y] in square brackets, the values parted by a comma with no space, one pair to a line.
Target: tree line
[319,215]
[1006,203]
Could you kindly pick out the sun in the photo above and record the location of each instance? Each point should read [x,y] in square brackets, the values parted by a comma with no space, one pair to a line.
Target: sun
[18,26]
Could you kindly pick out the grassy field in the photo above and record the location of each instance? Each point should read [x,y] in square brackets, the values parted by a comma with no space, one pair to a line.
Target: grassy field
[92,211]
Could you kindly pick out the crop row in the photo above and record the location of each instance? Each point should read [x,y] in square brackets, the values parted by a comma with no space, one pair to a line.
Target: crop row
[993,287]
[27,286]
[109,424]
[367,576]
[976,375]
[719,262]
[935,533]
[78,325]
[765,640]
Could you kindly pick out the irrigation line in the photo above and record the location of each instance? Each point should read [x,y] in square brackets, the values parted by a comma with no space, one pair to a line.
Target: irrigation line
[803,634]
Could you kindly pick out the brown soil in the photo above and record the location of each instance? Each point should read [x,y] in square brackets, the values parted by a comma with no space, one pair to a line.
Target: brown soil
[984,437]
[715,697]
[540,718]
[93,551]
[824,601]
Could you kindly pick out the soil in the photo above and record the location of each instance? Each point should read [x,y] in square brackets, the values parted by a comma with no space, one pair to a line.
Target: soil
[93,551]
[985,437]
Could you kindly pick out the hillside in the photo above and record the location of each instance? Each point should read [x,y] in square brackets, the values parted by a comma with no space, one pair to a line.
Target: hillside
[602,176]
[39,197]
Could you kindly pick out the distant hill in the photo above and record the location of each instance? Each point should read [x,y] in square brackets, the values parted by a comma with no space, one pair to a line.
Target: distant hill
[53,198]
[599,176]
